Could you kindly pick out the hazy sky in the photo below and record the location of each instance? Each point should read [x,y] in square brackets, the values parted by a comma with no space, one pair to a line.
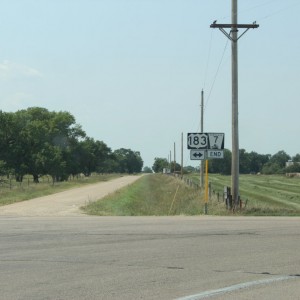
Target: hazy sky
[132,71]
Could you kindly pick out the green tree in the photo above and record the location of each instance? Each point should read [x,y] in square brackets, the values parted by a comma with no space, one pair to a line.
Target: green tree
[92,156]
[245,162]
[159,164]
[296,158]
[276,163]
[280,158]
[128,161]
[257,161]
[147,170]
[190,169]
[32,135]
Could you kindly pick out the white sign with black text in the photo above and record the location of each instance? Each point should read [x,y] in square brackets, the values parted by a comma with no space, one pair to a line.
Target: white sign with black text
[215,154]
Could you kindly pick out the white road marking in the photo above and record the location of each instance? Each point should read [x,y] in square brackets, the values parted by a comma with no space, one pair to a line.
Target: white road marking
[235,287]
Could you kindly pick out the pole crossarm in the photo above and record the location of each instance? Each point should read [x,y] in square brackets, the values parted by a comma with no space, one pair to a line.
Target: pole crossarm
[234,27]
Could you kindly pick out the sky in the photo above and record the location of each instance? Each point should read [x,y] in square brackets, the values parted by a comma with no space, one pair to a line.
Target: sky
[131,72]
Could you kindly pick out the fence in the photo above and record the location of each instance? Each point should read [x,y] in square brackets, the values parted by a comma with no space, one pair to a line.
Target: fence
[10,182]
[224,196]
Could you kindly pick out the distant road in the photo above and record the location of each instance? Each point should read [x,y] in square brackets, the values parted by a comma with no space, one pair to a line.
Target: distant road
[66,203]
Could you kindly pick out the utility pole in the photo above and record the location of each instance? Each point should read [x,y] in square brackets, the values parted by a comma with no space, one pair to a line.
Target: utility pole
[181,155]
[234,37]
[174,158]
[201,127]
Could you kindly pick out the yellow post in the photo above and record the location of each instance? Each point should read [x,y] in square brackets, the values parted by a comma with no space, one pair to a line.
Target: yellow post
[206,187]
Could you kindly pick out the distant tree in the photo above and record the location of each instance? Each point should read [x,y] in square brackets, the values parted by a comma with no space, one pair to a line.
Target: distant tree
[245,162]
[175,167]
[296,158]
[38,142]
[256,161]
[272,168]
[159,164]
[128,161]
[190,169]
[147,170]
[276,163]
[280,158]
[91,156]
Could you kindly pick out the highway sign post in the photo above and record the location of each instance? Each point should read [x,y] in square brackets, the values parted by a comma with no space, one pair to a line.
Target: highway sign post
[205,146]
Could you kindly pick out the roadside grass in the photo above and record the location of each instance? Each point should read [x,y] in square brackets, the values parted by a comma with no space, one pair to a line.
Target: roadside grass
[152,195]
[274,195]
[162,195]
[12,191]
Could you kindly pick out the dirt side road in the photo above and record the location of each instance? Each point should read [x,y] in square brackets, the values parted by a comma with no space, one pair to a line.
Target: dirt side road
[66,203]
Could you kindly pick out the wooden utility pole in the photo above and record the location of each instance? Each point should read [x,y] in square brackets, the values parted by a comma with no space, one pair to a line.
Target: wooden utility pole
[235,161]
[174,158]
[202,122]
[234,37]
[181,155]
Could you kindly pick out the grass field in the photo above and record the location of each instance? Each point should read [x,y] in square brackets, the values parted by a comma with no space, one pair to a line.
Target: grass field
[264,194]
[159,194]
[12,191]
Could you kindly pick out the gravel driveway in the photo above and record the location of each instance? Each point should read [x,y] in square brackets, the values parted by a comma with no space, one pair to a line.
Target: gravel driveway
[66,203]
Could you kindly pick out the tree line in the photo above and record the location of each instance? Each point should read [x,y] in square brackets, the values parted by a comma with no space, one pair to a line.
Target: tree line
[39,142]
[249,163]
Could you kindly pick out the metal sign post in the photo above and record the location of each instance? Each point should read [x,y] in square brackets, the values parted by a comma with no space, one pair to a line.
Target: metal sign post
[205,146]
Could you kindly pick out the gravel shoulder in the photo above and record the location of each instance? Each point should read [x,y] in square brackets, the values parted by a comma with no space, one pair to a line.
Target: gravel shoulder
[66,203]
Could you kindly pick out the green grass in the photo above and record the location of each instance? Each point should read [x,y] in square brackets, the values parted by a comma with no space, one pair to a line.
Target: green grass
[159,195]
[12,191]
[152,195]
[264,194]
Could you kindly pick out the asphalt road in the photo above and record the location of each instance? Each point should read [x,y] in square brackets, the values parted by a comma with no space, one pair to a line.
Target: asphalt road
[69,256]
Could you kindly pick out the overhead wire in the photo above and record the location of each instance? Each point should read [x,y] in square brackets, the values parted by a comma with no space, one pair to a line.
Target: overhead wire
[208,59]
[216,75]
[279,11]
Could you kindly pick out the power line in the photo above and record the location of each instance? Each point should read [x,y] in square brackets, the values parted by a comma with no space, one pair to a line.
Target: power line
[215,77]
[279,11]
[208,59]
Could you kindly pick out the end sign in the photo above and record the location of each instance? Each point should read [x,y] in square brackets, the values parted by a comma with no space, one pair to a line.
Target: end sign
[215,153]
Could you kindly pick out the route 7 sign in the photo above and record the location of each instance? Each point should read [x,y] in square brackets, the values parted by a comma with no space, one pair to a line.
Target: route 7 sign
[197,154]
[205,141]
[216,140]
